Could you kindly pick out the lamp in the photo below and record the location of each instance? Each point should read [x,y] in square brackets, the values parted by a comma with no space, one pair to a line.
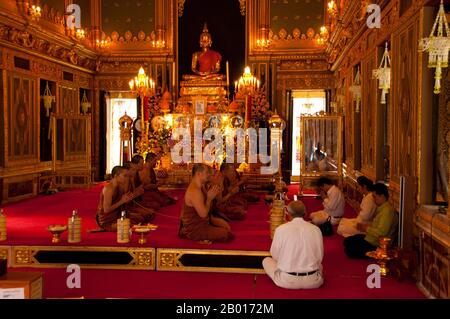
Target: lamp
[160,44]
[80,34]
[437,45]
[355,88]
[85,104]
[142,85]
[332,8]
[35,12]
[101,44]
[48,99]
[247,85]
[383,74]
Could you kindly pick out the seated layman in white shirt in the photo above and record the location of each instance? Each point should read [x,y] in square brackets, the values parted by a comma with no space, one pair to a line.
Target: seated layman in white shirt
[333,203]
[348,226]
[297,252]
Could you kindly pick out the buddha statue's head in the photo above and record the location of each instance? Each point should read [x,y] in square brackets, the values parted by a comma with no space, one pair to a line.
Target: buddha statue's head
[205,38]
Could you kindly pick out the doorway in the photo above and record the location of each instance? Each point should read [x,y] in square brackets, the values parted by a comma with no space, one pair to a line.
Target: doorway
[116,108]
[303,103]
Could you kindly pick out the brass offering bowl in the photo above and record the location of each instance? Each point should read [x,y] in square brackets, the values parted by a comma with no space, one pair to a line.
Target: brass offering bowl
[56,231]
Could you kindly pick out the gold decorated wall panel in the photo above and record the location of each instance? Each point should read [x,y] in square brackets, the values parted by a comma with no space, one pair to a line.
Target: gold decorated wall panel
[68,100]
[368,115]
[22,134]
[404,144]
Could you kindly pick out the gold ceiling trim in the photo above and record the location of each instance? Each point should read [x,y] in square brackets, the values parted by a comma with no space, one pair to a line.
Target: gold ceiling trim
[242,5]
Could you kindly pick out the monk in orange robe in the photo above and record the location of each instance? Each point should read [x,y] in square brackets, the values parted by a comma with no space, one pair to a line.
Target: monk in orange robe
[227,202]
[148,177]
[113,201]
[197,222]
[136,166]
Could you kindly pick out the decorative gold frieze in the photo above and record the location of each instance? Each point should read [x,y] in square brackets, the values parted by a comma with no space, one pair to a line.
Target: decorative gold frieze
[31,43]
[306,81]
[4,252]
[304,65]
[22,256]
[114,84]
[142,258]
[169,260]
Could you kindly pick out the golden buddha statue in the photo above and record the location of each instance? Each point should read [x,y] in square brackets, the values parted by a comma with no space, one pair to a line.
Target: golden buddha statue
[205,63]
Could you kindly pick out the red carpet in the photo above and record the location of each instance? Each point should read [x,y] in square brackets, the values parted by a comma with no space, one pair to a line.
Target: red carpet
[27,222]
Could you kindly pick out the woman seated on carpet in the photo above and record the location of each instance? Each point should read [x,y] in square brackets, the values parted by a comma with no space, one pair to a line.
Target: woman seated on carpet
[113,201]
[385,224]
[150,183]
[347,226]
[197,222]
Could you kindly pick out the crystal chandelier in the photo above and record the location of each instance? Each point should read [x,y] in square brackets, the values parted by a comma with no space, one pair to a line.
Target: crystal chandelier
[383,74]
[355,88]
[437,45]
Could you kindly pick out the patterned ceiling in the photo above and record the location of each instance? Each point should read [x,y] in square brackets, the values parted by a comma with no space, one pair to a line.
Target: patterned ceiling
[301,14]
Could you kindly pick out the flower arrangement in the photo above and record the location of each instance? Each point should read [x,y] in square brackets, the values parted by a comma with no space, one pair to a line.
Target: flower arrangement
[154,105]
[260,107]
[160,138]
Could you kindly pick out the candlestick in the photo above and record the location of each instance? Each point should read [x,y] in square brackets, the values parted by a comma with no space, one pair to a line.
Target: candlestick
[173,75]
[228,76]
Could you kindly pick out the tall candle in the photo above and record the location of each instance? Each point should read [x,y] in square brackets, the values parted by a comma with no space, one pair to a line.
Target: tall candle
[173,75]
[228,76]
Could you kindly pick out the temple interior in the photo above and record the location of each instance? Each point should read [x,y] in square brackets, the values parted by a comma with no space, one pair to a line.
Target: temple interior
[289,93]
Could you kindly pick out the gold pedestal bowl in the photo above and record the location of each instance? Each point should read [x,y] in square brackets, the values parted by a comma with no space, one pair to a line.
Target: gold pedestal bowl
[143,231]
[56,231]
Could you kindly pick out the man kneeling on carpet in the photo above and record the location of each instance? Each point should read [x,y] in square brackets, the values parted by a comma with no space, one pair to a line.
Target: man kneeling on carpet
[333,203]
[297,252]
[113,200]
[196,222]
[385,224]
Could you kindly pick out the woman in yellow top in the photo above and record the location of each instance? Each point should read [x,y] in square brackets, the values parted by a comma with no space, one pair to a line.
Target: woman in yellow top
[385,224]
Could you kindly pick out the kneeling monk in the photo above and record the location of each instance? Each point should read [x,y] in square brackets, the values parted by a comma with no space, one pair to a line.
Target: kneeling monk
[196,220]
[113,200]
[148,178]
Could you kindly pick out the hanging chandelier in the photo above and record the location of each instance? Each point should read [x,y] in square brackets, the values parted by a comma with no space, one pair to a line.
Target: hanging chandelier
[355,88]
[383,74]
[437,45]
[48,98]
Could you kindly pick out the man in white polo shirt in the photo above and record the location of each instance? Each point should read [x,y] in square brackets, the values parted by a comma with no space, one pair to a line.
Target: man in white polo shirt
[297,252]
[333,203]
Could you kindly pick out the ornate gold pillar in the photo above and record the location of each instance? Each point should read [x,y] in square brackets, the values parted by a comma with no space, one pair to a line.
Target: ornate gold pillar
[264,20]
[96,20]
[160,20]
